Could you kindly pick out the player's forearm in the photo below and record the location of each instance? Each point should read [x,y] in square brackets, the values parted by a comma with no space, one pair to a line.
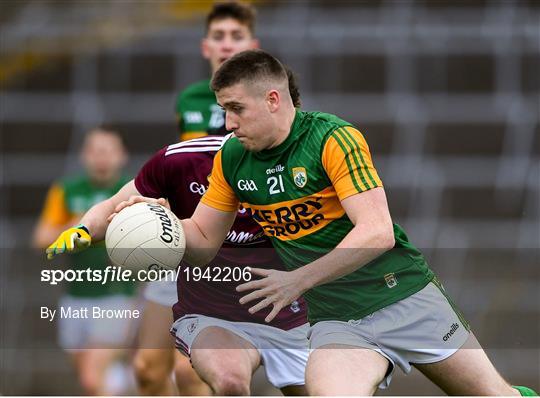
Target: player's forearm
[95,219]
[358,248]
[199,249]
[205,232]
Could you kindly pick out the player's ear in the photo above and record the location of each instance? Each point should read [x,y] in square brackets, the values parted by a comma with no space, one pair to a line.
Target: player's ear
[273,100]
[204,48]
[255,44]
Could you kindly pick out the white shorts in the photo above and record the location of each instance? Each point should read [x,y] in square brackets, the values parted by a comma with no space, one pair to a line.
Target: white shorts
[284,353]
[161,292]
[81,333]
[422,328]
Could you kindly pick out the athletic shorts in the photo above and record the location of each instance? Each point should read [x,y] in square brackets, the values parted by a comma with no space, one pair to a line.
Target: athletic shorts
[284,353]
[161,292]
[82,333]
[422,328]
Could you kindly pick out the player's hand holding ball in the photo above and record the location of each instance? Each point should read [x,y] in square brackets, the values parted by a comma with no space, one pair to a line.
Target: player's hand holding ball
[137,199]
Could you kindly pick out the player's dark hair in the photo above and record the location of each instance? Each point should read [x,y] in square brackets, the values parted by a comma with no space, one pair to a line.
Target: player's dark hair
[242,12]
[248,66]
[294,89]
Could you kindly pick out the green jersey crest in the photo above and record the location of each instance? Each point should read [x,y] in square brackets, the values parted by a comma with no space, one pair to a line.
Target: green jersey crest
[299,176]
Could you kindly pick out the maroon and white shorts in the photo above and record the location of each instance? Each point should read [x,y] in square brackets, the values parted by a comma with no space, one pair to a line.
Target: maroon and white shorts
[284,353]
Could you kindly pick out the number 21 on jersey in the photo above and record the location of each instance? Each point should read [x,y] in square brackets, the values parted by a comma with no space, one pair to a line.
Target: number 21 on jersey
[275,184]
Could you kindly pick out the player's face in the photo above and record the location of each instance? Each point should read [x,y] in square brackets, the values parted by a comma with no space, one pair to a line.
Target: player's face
[225,38]
[248,116]
[103,156]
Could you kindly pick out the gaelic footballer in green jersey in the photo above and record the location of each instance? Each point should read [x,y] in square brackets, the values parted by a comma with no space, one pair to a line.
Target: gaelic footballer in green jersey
[309,181]
[230,29]
[198,113]
[93,344]
[294,191]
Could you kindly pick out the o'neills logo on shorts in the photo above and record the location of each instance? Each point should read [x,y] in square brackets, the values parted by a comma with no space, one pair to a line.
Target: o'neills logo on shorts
[166,223]
[453,329]
[192,326]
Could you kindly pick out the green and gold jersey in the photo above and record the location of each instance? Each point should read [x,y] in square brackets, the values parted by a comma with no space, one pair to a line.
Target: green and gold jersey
[198,113]
[294,191]
[66,202]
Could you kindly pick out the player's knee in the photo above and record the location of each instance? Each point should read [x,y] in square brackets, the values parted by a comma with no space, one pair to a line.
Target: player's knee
[149,375]
[498,389]
[230,384]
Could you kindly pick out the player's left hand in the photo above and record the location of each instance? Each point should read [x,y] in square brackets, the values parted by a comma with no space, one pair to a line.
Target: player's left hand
[277,288]
[137,199]
[73,239]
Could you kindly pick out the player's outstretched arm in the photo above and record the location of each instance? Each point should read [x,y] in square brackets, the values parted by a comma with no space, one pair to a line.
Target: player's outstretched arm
[205,232]
[92,225]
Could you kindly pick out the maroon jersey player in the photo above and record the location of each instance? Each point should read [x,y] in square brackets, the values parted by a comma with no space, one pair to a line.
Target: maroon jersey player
[225,343]
[179,173]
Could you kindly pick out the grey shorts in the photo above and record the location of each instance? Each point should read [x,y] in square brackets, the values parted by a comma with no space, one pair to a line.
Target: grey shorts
[422,328]
[284,353]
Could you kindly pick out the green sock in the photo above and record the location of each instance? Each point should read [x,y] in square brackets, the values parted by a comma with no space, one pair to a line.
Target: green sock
[526,391]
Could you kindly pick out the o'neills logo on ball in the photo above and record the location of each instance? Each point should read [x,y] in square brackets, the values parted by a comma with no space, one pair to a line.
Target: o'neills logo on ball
[167,234]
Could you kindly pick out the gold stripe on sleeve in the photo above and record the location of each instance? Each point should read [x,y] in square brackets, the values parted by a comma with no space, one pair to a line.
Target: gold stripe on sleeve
[362,150]
[190,135]
[219,194]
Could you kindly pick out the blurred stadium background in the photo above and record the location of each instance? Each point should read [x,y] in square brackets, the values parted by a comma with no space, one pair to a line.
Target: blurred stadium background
[446,92]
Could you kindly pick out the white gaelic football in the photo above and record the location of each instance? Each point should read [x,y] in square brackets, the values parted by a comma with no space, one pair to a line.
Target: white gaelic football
[145,236]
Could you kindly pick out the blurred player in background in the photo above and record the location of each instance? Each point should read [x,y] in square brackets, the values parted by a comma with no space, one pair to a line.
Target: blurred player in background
[93,345]
[229,30]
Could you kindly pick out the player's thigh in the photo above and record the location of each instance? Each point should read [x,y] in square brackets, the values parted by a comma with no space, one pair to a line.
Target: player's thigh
[467,372]
[154,358]
[332,368]
[154,327]
[218,354]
